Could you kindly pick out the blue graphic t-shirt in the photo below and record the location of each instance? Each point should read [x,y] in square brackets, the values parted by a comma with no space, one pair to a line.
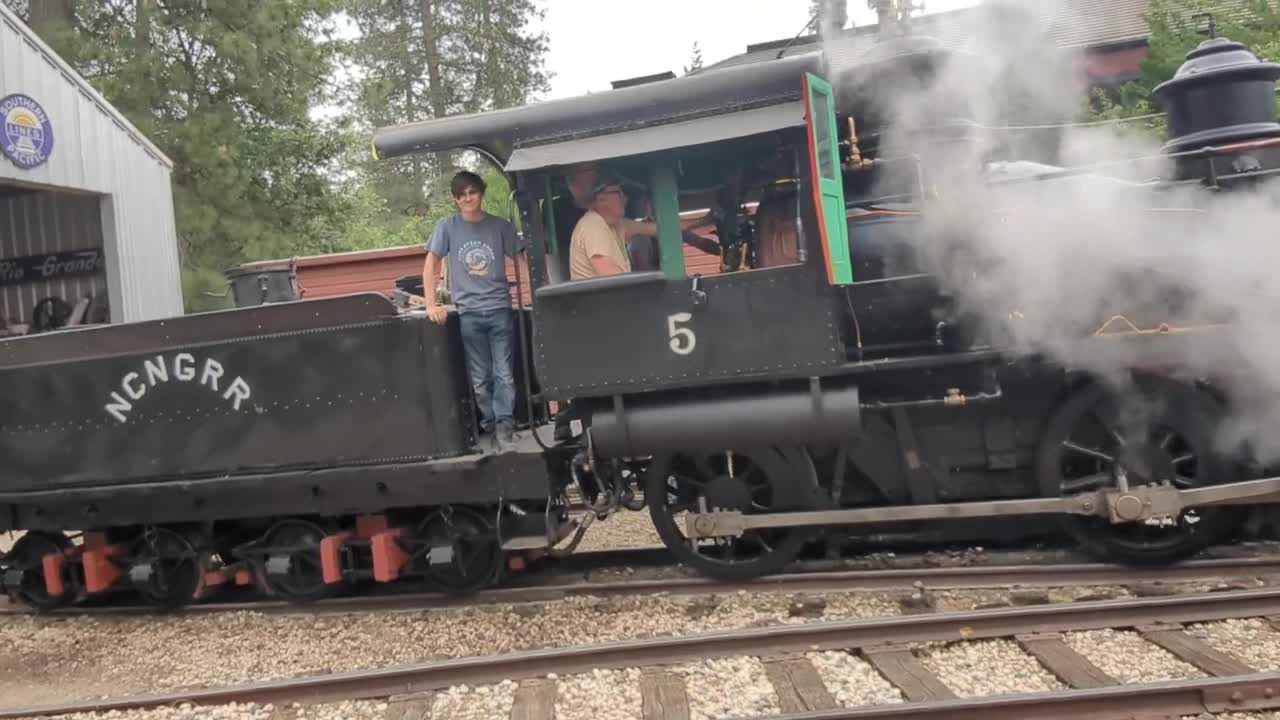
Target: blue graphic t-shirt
[474,250]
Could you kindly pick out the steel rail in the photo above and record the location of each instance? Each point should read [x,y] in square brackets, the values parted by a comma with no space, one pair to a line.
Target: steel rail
[945,627]
[1177,698]
[935,578]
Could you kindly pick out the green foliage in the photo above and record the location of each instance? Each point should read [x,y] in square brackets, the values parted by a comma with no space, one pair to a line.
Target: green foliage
[227,88]
[1175,30]
[370,225]
[431,59]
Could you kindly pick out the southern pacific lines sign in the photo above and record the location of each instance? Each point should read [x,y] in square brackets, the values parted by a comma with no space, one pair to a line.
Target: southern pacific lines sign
[181,367]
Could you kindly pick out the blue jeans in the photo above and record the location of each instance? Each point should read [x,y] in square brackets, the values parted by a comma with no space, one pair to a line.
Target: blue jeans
[487,340]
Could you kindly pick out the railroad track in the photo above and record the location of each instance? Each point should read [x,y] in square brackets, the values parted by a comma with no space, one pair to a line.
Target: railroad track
[542,588]
[794,676]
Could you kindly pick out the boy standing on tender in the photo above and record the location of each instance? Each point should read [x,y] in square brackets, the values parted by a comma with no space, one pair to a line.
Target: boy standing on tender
[475,243]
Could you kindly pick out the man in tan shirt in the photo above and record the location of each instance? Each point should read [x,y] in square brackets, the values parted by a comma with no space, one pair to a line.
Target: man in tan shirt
[599,243]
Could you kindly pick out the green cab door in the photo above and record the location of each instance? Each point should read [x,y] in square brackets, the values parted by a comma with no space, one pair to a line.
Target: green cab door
[828,186]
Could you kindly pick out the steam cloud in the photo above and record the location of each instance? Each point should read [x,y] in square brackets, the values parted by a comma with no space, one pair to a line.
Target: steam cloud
[1048,262]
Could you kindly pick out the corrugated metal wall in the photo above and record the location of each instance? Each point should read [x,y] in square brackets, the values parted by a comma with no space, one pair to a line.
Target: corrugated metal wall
[95,149]
[40,223]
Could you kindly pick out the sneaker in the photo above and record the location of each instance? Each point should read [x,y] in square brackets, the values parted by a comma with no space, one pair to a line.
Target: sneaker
[506,435]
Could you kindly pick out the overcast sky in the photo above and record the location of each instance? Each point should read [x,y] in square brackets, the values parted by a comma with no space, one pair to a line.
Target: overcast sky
[591,44]
[594,43]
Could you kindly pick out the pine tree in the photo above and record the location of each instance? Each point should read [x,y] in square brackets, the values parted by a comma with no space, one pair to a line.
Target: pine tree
[420,59]
[695,59]
[224,87]
[52,19]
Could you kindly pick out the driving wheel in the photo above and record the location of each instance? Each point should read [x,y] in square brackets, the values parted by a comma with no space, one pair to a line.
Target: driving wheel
[752,482]
[1154,431]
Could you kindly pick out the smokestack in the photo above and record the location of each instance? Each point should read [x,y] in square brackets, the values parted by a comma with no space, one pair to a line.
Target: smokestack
[892,15]
[886,16]
[833,15]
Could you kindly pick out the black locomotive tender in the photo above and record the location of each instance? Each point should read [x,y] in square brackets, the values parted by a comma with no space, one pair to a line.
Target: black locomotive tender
[307,446]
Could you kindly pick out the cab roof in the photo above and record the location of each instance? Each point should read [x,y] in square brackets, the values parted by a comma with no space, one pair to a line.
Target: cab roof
[751,93]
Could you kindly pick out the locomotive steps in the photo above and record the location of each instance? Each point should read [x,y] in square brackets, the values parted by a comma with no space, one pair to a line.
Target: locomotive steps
[1072,680]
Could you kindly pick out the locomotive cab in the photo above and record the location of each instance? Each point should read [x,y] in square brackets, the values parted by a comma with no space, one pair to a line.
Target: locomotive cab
[667,326]
[796,290]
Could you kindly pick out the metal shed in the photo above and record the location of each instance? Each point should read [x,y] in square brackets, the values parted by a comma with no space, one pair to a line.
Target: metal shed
[86,205]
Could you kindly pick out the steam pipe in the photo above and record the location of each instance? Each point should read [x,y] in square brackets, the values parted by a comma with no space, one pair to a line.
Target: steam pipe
[797,416]
[957,400]
[802,249]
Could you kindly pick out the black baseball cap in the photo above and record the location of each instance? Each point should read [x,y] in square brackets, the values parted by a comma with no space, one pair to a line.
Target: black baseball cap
[606,179]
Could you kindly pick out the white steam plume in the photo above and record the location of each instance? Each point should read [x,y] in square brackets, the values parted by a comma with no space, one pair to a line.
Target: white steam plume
[1050,261]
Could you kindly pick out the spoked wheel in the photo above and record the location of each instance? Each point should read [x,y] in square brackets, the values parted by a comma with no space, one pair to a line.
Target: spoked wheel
[1162,431]
[292,566]
[760,481]
[167,568]
[26,566]
[474,557]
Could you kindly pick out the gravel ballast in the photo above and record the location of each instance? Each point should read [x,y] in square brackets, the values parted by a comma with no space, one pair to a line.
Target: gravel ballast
[1125,656]
[475,703]
[87,656]
[727,687]
[67,658]
[599,695]
[1253,641]
[852,681]
[988,667]
[622,530]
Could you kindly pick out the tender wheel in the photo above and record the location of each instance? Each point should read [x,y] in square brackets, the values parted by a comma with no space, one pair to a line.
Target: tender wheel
[26,565]
[292,566]
[167,568]
[752,482]
[466,546]
[1156,430]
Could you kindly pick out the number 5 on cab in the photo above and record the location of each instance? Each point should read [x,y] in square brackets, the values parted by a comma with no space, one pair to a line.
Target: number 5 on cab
[682,338]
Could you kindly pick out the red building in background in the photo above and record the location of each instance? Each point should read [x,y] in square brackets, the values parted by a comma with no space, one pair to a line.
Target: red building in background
[318,276]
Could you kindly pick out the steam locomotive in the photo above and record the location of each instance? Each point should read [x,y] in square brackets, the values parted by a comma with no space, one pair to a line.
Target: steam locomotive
[846,380]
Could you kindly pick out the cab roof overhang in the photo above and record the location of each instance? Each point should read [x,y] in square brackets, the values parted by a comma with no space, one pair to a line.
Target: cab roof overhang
[653,138]
[757,95]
